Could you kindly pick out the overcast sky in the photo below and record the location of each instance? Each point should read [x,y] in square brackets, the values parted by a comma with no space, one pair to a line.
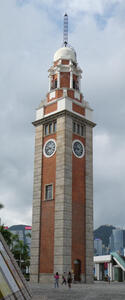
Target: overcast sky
[30,33]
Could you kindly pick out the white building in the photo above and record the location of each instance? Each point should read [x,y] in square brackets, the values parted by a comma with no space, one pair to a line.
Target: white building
[112,266]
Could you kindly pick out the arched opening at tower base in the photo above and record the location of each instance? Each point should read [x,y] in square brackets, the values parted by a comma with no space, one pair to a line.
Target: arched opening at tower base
[77,270]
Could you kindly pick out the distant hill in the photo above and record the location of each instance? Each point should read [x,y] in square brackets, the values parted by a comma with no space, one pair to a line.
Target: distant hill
[103,233]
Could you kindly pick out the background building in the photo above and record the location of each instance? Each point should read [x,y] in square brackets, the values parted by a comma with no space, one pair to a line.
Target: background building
[98,247]
[23,232]
[109,266]
[116,240]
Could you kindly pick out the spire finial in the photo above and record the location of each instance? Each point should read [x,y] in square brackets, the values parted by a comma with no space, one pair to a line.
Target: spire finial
[65,30]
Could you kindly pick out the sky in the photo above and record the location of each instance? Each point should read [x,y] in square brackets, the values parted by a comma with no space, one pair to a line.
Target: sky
[30,33]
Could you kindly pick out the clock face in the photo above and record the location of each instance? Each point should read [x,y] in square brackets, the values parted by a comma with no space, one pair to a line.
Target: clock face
[78,148]
[49,148]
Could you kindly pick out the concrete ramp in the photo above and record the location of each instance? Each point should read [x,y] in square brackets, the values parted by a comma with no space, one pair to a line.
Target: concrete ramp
[119,260]
[12,283]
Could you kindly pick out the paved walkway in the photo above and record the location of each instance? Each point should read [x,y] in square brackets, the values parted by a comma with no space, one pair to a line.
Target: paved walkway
[95,291]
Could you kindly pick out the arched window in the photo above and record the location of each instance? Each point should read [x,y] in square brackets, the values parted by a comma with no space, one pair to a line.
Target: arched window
[77,270]
[54,84]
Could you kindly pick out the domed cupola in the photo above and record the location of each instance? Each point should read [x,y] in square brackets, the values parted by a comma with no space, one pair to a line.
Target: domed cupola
[65,53]
[64,93]
[65,74]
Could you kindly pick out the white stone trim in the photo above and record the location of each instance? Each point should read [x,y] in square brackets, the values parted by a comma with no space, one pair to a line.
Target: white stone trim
[78,103]
[50,79]
[52,95]
[89,203]
[39,113]
[61,68]
[77,95]
[58,79]
[36,212]
[89,114]
[63,196]
[71,79]
[64,103]
[79,115]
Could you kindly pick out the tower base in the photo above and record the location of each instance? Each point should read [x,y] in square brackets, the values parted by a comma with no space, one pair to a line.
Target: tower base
[49,278]
[46,278]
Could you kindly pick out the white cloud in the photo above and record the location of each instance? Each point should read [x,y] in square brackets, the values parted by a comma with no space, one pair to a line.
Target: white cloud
[109,171]
[75,6]
[31,31]
[109,156]
[13,217]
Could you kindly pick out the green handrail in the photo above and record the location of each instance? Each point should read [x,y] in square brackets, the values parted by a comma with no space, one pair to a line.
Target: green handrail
[119,259]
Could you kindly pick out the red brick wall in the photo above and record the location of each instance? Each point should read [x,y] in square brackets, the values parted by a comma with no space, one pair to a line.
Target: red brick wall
[47,215]
[78,109]
[78,208]
[54,76]
[50,108]
[65,62]
[74,77]
[59,93]
[70,94]
[65,79]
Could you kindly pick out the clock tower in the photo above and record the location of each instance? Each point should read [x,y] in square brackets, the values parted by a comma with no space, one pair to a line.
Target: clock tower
[62,224]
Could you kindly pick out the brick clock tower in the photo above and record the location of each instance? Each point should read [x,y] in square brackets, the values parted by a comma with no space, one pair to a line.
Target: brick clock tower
[62,224]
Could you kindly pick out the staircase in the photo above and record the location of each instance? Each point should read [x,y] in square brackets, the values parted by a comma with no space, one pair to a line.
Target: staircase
[119,260]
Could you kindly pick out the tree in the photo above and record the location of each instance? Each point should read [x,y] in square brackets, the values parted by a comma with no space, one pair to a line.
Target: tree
[28,234]
[21,253]
[1,206]
[18,248]
[6,234]
[14,241]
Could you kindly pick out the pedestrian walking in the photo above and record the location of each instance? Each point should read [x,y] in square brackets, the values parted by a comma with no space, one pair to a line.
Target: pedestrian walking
[69,279]
[64,278]
[56,278]
[109,279]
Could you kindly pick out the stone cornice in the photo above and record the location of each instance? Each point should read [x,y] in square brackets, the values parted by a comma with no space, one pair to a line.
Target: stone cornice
[63,113]
[64,68]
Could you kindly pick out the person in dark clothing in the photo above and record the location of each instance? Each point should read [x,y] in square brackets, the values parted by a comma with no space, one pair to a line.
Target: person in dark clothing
[64,278]
[69,279]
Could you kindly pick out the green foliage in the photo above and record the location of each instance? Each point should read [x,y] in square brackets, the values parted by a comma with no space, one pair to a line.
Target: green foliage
[6,234]
[18,248]
[28,234]
[20,252]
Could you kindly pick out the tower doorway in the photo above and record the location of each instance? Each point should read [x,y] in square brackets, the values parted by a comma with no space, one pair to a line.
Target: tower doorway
[77,270]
